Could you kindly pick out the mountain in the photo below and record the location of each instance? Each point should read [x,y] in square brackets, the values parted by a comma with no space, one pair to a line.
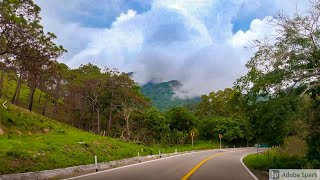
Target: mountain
[162,95]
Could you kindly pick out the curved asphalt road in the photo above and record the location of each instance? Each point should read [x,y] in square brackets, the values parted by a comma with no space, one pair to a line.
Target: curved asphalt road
[220,165]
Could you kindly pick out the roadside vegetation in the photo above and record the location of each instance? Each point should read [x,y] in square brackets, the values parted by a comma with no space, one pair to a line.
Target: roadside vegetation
[34,143]
[88,110]
[291,155]
[283,88]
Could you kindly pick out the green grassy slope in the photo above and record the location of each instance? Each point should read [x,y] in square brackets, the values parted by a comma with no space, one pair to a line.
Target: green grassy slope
[10,83]
[32,142]
[9,86]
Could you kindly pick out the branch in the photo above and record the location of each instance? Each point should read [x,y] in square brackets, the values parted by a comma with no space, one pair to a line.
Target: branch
[308,88]
[3,53]
[306,76]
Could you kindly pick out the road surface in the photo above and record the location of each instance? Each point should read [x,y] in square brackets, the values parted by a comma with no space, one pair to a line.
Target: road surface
[212,164]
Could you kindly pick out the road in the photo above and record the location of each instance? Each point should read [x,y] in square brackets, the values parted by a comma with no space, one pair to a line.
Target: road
[212,164]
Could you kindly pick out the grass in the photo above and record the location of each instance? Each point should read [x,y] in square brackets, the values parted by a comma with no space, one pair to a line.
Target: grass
[33,142]
[262,162]
[9,86]
[289,156]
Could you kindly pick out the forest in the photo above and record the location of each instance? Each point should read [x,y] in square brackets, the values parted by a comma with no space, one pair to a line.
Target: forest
[277,98]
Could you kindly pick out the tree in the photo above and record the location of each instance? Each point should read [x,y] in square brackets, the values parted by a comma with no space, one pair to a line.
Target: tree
[226,103]
[54,85]
[24,44]
[273,119]
[155,125]
[292,62]
[282,74]
[181,119]
[18,21]
[113,95]
[130,101]
[41,67]
[2,68]
[94,85]
[85,88]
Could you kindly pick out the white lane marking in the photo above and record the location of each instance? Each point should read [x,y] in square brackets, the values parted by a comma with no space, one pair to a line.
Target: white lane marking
[136,164]
[241,160]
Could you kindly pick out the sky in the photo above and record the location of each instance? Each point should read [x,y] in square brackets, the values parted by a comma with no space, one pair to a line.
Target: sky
[201,43]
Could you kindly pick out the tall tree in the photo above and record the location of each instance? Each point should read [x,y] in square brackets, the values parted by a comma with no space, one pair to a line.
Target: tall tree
[284,69]
[18,19]
[292,62]
[113,84]
[131,99]
[22,39]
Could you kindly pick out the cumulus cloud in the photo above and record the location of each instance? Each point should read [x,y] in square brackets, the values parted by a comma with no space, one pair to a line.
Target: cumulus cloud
[187,40]
[124,17]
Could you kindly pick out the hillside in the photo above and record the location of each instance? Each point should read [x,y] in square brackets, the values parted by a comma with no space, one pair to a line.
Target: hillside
[162,95]
[40,101]
[31,142]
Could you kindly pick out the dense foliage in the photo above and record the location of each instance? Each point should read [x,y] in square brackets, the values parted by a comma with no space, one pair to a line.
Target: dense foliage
[282,84]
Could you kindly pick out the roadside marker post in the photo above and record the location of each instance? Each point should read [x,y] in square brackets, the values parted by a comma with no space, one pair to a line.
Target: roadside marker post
[139,157]
[220,137]
[96,162]
[192,135]
[176,151]
[258,150]
[159,154]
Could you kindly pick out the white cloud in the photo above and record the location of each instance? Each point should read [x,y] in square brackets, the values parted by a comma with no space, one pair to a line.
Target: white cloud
[188,40]
[258,29]
[124,17]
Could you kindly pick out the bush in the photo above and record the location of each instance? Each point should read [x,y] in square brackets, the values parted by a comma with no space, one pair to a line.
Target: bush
[278,159]
[313,154]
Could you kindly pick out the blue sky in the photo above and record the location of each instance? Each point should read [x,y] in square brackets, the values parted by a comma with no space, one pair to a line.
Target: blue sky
[198,42]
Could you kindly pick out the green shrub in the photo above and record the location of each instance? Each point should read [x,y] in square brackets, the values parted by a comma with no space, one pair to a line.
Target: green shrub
[313,154]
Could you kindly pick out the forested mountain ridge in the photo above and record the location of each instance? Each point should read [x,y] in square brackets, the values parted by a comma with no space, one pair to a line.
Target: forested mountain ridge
[162,95]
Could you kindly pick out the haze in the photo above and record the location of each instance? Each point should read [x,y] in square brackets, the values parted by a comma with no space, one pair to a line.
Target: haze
[198,42]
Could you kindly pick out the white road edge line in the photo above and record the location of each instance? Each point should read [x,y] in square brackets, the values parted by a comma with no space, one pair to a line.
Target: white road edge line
[136,164]
[253,176]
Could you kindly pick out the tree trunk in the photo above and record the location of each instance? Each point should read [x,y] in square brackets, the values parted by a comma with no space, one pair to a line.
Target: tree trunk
[110,118]
[39,101]
[55,109]
[98,112]
[127,126]
[110,114]
[31,95]
[16,94]
[44,106]
[1,82]
[80,120]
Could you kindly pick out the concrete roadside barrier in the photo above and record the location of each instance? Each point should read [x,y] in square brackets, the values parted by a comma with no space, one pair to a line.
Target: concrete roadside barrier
[84,169]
